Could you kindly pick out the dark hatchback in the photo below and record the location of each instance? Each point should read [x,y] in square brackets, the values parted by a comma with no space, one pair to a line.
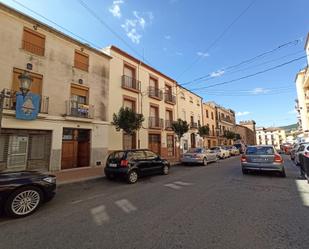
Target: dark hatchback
[21,193]
[131,164]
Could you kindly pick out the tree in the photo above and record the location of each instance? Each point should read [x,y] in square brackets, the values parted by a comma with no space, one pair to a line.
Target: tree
[180,127]
[203,131]
[237,136]
[229,135]
[127,120]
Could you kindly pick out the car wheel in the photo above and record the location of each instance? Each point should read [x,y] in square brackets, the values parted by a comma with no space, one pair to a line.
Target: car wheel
[132,177]
[165,170]
[205,162]
[282,173]
[245,171]
[23,201]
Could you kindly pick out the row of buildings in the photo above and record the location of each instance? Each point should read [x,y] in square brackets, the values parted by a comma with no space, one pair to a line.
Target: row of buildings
[80,89]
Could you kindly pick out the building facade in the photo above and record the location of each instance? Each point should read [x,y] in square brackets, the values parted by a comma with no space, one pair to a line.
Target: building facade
[209,119]
[71,78]
[140,87]
[247,135]
[270,136]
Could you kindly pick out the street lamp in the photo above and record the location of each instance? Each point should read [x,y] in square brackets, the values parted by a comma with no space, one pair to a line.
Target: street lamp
[217,132]
[25,82]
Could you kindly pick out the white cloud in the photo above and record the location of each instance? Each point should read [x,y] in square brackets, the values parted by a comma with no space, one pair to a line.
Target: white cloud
[133,27]
[167,37]
[217,73]
[115,8]
[243,113]
[259,90]
[202,54]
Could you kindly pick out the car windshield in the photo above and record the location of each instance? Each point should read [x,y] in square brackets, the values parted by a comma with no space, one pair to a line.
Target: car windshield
[266,150]
[195,150]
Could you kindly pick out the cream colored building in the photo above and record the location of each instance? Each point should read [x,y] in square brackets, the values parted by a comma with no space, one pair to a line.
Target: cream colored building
[72,78]
[189,108]
[141,87]
[209,118]
[270,136]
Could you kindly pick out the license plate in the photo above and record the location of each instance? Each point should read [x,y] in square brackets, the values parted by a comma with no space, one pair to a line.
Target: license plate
[113,165]
[188,156]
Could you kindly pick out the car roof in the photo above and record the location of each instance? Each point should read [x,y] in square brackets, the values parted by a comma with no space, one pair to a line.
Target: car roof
[131,150]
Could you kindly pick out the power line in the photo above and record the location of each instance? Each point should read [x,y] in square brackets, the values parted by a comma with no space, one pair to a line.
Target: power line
[218,38]
[250,75]
[254,91]
[209,75]
[83,4]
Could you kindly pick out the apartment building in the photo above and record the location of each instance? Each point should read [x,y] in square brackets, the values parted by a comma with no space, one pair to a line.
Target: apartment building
[71,79]
[246,129]
[190,109]
[209,119]
[302,89]
[144,89]
[270,136]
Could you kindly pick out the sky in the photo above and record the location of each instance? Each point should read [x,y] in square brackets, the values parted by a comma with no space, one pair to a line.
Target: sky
[213,41]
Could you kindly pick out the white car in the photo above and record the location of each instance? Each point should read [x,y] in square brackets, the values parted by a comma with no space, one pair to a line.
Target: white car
[221,152]
[302,150]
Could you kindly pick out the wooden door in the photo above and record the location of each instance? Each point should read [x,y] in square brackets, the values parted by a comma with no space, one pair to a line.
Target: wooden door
[69,154]
[170,145]
[83,154]
[155,143]
[193,143]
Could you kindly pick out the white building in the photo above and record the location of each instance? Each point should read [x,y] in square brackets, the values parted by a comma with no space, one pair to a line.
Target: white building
[270,136]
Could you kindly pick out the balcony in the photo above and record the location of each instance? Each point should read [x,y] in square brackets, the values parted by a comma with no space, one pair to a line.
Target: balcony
[155,123]
[9,101]
[75,109]
[170,98]
[155,93]
[130,83]
[193,125]
[168,124]
[227,120]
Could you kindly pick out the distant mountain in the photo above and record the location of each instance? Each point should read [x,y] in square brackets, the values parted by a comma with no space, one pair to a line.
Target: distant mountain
[289,127]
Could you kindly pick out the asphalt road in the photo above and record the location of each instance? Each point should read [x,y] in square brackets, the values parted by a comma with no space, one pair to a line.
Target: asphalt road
[193,207]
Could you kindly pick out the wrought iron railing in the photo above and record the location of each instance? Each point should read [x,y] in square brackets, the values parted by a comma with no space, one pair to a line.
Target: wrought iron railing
[155,122]
[79,110]
[169,97]
[168,124]
[155,92]
[130,83]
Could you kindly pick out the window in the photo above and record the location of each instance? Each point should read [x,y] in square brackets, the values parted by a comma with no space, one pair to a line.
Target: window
[198,103]
[212,115]
[213,129]
[182,96]
[206,113]
[184,115]
[191,99]
[129,103]
[81,60]
[153,83]
[129,71]
[168,89]
[169,115]
[36,86]
[150,155]
[33,42]
[79,94]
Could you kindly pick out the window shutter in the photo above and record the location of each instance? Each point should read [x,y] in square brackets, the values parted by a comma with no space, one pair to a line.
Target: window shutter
[79,91]
[33,42]
[81,60]
[36,86]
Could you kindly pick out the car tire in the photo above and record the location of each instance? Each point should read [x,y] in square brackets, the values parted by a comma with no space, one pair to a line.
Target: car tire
[204,162]
[165,170]
[132,177]
[282,173]
[23,201]
[244,171]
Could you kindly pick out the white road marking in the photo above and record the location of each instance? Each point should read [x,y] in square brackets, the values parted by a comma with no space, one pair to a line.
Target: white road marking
[173,186]
[77,201]
[126,205]
[99,215]
[183,183]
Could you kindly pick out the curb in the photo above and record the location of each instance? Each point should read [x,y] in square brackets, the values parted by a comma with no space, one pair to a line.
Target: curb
[88,179]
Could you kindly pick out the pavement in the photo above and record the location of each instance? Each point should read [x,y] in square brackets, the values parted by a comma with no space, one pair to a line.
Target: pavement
[192,207]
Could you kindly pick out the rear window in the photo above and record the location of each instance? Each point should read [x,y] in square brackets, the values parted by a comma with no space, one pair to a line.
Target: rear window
[116,155]
[195,150]
[260,151]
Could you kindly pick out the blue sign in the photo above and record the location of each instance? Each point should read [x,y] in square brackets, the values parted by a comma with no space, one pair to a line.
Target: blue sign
[27,107]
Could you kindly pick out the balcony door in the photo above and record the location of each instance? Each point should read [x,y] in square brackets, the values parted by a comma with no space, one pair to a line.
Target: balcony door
[79,101]
[154,143]
[129,73]
[154,116]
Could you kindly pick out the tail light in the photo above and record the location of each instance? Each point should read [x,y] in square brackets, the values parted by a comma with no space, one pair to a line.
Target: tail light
[124,163]
[243,159]
[306,154]
[278,158]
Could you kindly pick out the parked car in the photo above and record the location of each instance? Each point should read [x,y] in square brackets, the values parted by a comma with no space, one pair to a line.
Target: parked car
[286,147]
[241,147]
[294,150]
[262,157]
[21,193]
[303,149]
[233,150]
[199,155]
[132,164]
[221,152]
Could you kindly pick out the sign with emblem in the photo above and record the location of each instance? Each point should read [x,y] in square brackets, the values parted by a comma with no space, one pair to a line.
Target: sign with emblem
[27,107]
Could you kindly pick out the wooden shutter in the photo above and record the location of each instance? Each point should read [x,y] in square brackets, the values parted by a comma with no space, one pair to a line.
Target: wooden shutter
[79,90]
[33,42]
[36,86]
[128,71]
[129,103]
[81,60]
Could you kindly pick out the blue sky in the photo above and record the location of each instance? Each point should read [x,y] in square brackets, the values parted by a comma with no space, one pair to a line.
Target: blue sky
[173,36]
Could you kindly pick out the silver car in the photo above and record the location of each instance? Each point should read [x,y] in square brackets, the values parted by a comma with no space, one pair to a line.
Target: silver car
[199,156]
[302,150]
[262,157]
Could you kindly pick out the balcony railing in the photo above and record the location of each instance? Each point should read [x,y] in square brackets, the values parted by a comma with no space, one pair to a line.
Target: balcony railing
[9,101]
[193,125]
[130,83]
[155,123]
[75,109]
[227,119]
[170,98]
[32,48]
[168,124]
[155,92]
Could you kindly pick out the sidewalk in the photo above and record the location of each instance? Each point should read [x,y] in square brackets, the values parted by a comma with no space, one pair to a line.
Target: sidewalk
[84,174]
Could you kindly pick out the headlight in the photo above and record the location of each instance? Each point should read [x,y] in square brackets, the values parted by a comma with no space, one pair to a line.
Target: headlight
[50,179]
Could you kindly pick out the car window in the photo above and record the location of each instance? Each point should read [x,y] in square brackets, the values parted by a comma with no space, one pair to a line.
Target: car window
[260,151]
[136,155]
[116,155]
[195,150]
[150,155]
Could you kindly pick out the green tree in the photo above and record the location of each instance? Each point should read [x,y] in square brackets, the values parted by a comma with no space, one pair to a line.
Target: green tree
[203,131]
[180,127]
[229,135]
[237,136]
[127,120]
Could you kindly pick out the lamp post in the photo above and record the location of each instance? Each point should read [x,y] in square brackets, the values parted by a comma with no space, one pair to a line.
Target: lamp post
[25,82]
[217,133]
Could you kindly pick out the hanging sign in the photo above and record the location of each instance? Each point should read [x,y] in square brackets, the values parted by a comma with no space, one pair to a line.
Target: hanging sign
[27,107]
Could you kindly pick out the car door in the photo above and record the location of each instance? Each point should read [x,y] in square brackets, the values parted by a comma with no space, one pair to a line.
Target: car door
[138,159]
[299,152]
[153,161]
[210,156]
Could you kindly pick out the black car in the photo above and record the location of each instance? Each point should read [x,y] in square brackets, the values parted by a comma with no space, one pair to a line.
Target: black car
[21,193]
[131,164]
